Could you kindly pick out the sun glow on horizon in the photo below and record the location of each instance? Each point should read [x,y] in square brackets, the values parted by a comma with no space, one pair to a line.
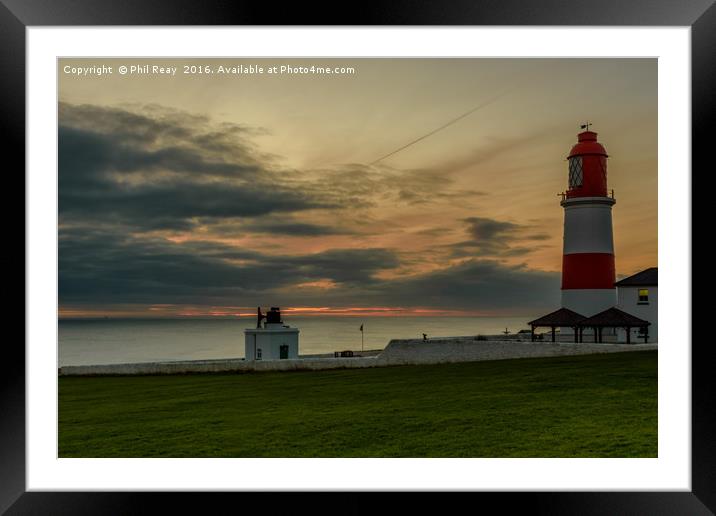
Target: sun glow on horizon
[175,311]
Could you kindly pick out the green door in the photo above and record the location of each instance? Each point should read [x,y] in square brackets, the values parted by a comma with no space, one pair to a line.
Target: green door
[284,351]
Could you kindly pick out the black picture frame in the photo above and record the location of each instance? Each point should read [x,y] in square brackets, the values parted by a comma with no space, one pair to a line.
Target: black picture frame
[17,15]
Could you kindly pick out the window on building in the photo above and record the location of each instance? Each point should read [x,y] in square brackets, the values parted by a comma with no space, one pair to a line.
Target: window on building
[258,353]
[576,172]
[643,296]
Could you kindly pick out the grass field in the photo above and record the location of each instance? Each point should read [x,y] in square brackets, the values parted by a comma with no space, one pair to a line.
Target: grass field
[579,406]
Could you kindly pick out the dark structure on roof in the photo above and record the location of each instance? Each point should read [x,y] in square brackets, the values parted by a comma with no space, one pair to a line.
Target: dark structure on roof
[613,318]
[272,317]
[645,278]
[562,317]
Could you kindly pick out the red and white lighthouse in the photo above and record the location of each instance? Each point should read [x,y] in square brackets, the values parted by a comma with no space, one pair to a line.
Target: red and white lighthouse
[588,272]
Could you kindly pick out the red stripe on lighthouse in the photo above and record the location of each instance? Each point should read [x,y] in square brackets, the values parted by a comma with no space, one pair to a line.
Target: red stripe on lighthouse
[588,270]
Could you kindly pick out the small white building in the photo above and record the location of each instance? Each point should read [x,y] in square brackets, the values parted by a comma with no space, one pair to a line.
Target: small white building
[638,295]
[271,340]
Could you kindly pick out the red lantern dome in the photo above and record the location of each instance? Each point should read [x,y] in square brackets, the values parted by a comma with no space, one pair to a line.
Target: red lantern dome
[587,167]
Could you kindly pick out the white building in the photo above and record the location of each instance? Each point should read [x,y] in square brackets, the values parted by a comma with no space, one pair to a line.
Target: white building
[638,295]
[271,340]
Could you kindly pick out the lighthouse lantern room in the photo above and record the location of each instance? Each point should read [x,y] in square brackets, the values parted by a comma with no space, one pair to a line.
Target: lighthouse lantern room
[588,271]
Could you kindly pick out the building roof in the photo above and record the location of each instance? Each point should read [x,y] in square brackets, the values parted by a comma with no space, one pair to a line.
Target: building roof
[613,318]
[561,317]
[646,278]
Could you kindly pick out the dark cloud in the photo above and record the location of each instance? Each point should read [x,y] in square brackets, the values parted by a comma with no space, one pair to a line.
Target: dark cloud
[424,186]
[495,238]
[298,229]
[108,174]
[97,267]
[156,126]
[355,267]
[490,230]
[359,186]
[271,226]
[481,285]
[152,168]
[477,285]
[126,173]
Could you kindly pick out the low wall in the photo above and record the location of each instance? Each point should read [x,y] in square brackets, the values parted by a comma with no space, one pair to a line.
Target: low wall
[218,366]
[417,351]
[398,352]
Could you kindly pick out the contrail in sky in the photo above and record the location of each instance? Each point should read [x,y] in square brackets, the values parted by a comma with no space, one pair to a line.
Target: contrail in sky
[448,124]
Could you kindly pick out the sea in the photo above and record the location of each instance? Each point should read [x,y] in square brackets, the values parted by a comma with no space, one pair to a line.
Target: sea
[116,341]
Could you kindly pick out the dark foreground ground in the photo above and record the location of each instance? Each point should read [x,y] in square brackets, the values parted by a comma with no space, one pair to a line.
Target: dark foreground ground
[578,406]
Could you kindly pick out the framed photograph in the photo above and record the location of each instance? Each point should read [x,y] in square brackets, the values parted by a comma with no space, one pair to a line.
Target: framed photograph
[450,226]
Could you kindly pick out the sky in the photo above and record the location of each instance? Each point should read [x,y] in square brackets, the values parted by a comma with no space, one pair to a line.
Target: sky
[345,194]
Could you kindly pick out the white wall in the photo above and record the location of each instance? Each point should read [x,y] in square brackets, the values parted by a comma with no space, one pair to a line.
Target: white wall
[398,352]
[588,228]
[628,301]
[269,341]
[249,345]
[589,302]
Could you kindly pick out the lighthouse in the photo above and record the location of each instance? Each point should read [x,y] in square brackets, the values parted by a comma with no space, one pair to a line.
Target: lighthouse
[272,339]
[588,271]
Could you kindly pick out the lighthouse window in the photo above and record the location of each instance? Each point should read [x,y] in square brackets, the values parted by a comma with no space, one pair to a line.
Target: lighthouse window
[575,172]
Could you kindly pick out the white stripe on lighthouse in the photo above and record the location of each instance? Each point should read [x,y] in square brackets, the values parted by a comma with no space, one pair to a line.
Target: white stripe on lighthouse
[588,229]
[589,302]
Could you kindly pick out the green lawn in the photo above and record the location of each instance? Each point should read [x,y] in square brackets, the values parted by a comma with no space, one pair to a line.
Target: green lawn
[580,406]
